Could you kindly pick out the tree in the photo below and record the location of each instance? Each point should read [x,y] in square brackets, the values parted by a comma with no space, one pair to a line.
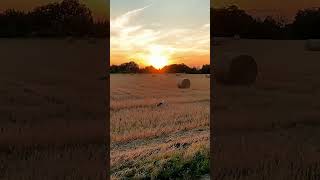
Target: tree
[205,69]
[149,69]
[307,24]
[231,20]
[67,18]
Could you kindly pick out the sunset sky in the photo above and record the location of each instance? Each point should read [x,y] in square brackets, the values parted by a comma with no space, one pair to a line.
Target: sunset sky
[160,32]
[99,8]
[262,8]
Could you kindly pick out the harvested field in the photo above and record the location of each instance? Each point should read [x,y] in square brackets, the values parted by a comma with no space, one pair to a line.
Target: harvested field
[52,110]
[269,130]
[144,132]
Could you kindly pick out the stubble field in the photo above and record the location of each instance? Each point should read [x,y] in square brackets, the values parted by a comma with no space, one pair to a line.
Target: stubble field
[52,110]
[271,129]
[148,137]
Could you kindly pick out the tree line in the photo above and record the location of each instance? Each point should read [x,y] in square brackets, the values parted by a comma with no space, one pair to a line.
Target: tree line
[230,21]
[59,19]
[132,67]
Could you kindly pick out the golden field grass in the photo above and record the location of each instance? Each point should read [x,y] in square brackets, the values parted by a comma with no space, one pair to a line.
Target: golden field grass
[53,116]
[271,129]
[143,133]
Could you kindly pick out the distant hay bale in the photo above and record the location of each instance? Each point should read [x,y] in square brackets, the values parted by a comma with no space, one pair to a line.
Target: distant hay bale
[184,83]
[312,45]
[236,69]
[178,74]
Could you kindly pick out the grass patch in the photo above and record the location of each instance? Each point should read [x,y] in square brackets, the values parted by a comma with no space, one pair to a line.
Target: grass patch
[177,167]
[190,163]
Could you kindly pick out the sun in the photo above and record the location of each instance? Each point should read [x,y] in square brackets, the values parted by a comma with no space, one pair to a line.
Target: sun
[157,58]
[158,61]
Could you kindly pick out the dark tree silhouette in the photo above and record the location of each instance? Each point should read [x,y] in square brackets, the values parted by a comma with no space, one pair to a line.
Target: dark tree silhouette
[307,24]
[132,67]
[205,69]
[149,69]
[67,18]
[229,21]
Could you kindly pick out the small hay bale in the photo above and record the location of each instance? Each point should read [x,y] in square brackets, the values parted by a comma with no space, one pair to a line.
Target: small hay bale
[178,74]
[184,83]
[312,45]
[236,69]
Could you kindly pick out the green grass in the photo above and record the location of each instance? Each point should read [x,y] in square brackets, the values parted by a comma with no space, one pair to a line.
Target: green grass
[177,165]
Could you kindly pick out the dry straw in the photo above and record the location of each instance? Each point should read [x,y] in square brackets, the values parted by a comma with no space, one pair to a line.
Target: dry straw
[236,69]
[184,83]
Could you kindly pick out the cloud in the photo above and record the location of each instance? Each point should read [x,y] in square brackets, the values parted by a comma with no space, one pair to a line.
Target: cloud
[129,39]
[124,19]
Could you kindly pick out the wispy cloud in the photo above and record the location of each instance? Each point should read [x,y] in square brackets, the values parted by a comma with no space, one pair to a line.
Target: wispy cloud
[129,39]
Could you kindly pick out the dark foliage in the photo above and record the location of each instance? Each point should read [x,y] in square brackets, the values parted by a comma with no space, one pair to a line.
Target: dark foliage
[132,67]
[230,21]
[68,18]
[307,24]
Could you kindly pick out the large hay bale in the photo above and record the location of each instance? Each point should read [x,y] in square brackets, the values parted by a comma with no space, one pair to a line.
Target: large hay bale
[236,69]
[312,45]
[184,83]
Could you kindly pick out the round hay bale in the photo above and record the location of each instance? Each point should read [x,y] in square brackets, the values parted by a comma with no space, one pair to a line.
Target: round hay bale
[184,83]
[312,45]
[236,69]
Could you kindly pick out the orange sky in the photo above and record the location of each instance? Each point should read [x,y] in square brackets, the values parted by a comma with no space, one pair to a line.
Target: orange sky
[142,32]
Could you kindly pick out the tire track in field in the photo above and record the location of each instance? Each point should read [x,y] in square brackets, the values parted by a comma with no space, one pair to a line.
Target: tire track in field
[154,105]
[166,138]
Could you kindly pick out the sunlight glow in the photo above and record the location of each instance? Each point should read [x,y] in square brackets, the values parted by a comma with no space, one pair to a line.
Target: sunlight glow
[157,58]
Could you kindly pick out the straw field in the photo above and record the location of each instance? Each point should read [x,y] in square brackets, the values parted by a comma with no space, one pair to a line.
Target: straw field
[269,130]
[154,121]
[52,110]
